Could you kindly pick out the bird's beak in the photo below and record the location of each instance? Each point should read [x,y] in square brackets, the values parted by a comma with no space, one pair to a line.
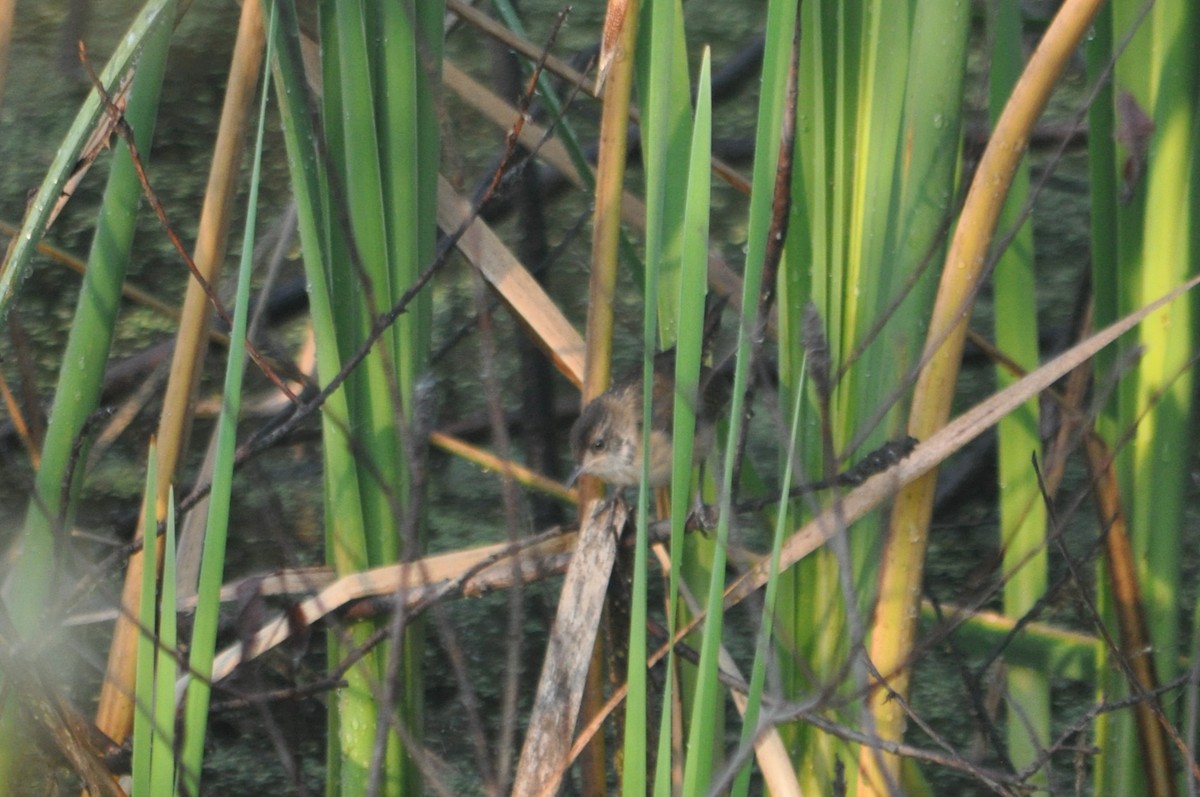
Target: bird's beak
[575,474]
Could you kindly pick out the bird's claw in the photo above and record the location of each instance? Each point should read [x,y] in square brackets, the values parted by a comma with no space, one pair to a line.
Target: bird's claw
[702,518]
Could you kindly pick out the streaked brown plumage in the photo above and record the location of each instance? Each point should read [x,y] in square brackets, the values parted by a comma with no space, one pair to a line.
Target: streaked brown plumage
[606,441]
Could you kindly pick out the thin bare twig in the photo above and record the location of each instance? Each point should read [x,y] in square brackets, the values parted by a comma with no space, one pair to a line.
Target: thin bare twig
[123,129]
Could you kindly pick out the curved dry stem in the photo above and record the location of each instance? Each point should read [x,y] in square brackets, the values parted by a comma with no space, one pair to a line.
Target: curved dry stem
[894,624]
[114,715]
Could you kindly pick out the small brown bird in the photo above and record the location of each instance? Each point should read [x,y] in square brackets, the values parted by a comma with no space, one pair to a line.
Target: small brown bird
[606,441]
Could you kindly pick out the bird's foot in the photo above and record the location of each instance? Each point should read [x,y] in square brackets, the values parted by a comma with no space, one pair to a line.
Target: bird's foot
[702,517]
[609,504]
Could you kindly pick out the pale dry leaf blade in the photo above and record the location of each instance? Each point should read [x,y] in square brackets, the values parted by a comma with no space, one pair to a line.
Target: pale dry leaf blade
[415,579]
[928,454]
[515,285]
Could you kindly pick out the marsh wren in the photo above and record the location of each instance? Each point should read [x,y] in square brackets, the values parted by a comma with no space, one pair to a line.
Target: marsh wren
[606,441]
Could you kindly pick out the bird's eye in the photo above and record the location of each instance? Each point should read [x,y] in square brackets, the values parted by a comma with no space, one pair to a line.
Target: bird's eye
[598,444]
